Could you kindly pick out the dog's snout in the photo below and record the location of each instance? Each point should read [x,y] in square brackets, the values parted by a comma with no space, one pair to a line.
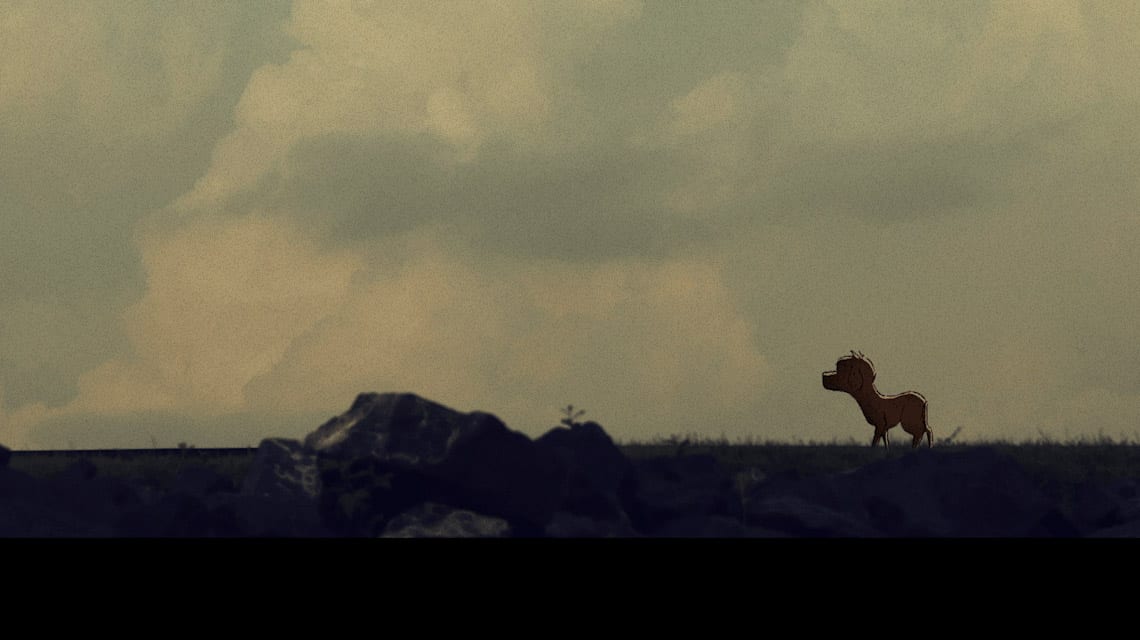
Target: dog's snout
[829,381]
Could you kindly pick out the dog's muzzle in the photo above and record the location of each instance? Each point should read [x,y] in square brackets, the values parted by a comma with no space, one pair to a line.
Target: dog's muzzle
[830,381]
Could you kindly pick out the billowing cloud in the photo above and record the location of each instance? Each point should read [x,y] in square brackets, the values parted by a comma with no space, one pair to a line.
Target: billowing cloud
[108,110]
[459,73]
[636,342]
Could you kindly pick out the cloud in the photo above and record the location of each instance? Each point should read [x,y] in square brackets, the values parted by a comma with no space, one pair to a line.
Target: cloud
[225,298]
[585,204]
[458,73]
[673,214]
[640,341]
[118,72]
[108,110]
[247,319]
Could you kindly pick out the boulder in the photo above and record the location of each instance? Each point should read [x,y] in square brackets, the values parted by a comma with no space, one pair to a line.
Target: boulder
[468,460]
[283,469]
[360,495]
[707,526]
[399,427]
[266,517]
[794,516]
[280,493]
[565,524]
[599,478]
[431,520]
[1130,529]
[669,487]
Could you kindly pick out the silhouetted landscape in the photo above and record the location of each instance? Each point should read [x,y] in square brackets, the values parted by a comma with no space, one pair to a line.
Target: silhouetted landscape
[752,238]
[398,465]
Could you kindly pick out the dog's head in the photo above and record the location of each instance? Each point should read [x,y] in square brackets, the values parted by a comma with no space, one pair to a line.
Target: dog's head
[852,373]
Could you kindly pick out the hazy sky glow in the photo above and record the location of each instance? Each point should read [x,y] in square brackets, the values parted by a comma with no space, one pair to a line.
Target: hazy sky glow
[220,221]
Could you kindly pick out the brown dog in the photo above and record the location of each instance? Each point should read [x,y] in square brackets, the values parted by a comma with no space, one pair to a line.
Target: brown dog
[854,374]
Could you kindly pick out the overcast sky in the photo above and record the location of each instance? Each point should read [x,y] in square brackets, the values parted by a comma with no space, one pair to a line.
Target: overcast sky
[220,221]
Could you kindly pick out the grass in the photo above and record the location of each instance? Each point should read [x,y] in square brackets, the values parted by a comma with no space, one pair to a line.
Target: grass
[154,471]
[1057,467]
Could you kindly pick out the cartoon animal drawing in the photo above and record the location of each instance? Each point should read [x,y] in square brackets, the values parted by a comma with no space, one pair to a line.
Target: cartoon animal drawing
[855,375]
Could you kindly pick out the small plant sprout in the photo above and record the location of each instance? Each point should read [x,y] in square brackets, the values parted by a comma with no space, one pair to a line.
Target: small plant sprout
[949,439]
[572,416]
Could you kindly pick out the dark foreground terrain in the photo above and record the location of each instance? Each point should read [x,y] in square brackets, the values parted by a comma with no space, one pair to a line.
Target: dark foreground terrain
[397,465]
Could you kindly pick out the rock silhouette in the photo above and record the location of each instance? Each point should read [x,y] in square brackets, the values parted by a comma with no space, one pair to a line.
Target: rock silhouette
[398,465]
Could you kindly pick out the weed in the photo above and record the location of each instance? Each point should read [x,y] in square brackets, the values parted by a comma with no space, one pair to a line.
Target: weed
[571,416]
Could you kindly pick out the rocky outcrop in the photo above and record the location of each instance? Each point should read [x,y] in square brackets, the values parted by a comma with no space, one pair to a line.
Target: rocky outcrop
[398,465]
[391,451]
[675,487]
[598,482]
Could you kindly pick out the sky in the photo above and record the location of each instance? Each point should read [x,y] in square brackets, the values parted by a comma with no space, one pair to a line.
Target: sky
[221,221]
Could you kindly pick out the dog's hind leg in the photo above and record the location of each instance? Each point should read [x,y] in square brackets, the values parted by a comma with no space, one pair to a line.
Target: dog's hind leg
[929,431]
[880,435]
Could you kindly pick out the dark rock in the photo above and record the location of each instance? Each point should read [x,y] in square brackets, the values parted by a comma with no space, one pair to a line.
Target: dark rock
[283,469]
[599,478]
[707,526]
[281,492]
[572,525]
[794,516]
[267,517]
[201,482]
[360,495]
[431,520]
[667,488]
[1130,529]
[472,460]
[400,427]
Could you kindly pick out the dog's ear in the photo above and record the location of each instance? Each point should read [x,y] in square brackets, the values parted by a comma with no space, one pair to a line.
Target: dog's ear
[856,378]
